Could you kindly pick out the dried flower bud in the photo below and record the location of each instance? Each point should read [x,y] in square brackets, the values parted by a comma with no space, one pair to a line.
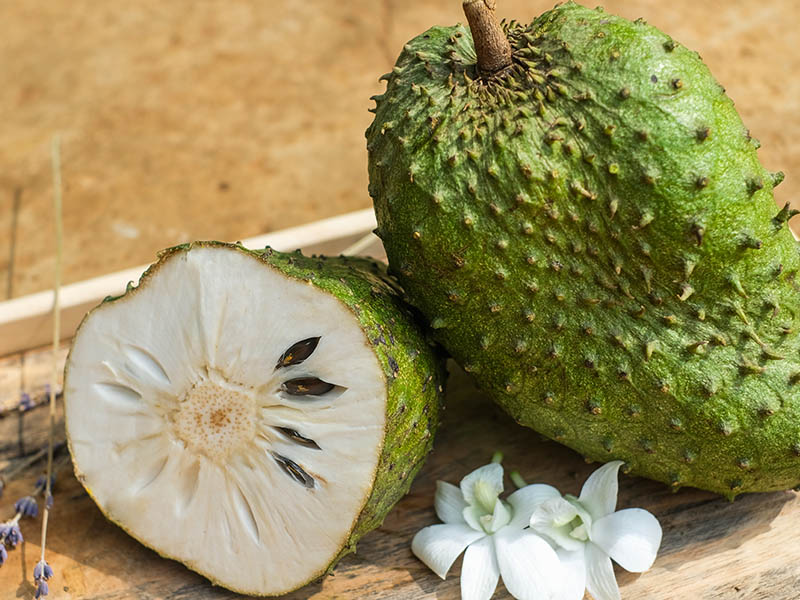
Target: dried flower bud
[25,402]
[26,506]
[10,534]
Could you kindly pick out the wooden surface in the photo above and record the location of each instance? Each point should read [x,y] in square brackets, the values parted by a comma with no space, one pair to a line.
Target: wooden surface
[216,119]
[712,549]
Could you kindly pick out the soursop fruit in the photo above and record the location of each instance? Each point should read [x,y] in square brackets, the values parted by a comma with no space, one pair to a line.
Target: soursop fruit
[251,414]
[579,212]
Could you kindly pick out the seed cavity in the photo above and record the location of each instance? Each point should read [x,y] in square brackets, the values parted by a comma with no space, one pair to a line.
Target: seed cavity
[298,352]
[298,438]
[119,394]
[306,386]
[293,470]
[146,363]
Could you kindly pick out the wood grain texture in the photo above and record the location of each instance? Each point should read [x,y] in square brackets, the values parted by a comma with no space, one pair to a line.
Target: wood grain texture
[187,120]
[712,549]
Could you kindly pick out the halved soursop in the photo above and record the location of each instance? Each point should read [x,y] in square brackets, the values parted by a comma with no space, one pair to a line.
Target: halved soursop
[251,414]
[579,212]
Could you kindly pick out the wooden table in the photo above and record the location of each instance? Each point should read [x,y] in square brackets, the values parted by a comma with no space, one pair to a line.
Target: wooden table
[712,549]
[186,120]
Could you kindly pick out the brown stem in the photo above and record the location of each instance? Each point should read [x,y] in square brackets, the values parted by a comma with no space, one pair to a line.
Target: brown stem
[491,44]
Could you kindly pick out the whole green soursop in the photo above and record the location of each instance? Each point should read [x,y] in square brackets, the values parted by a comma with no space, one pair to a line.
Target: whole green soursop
[580,213]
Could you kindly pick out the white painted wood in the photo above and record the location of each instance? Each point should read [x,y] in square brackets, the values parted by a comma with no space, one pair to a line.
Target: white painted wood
[26,322]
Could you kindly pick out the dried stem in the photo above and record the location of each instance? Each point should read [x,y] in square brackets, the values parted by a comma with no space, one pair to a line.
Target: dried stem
[56,159]
[491,43]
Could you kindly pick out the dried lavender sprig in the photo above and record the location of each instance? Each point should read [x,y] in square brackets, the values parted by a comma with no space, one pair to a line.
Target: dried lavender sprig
[27,507]
[9,534]
[42,572]
[26,402]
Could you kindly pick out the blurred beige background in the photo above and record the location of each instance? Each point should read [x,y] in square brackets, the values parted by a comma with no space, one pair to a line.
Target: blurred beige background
[224,119]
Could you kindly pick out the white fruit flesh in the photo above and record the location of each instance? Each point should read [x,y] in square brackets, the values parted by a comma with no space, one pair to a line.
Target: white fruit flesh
[183,428]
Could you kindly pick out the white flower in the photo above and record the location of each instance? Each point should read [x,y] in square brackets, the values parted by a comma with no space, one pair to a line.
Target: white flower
[495,537]
[588,534]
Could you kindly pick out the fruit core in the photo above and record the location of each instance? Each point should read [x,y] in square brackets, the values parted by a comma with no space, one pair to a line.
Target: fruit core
[215,417]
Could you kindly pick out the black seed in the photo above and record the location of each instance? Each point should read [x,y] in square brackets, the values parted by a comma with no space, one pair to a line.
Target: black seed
[293,470]
[298,438]
[298,352]
[306,386]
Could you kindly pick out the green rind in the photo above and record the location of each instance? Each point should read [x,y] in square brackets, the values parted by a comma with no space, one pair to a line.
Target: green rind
[598,244]
[413,367]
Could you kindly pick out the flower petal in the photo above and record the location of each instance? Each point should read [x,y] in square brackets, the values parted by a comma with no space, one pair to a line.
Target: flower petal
[600,580]
[438,546]
[525,500]
[574,564]
[472,517]
[554,512]
[528,565]
[582,512]
[449,502]
[553,518]
[599,493]
[500,517]
[482,487]
[479,571]
[631,537]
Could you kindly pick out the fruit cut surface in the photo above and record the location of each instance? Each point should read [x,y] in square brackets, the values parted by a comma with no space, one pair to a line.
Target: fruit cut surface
[232,417]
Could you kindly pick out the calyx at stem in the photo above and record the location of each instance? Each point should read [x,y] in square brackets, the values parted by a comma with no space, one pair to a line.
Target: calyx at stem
[491,44]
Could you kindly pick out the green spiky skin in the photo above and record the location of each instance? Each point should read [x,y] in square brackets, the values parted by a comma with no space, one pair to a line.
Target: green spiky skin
[591,234]
[412,365]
